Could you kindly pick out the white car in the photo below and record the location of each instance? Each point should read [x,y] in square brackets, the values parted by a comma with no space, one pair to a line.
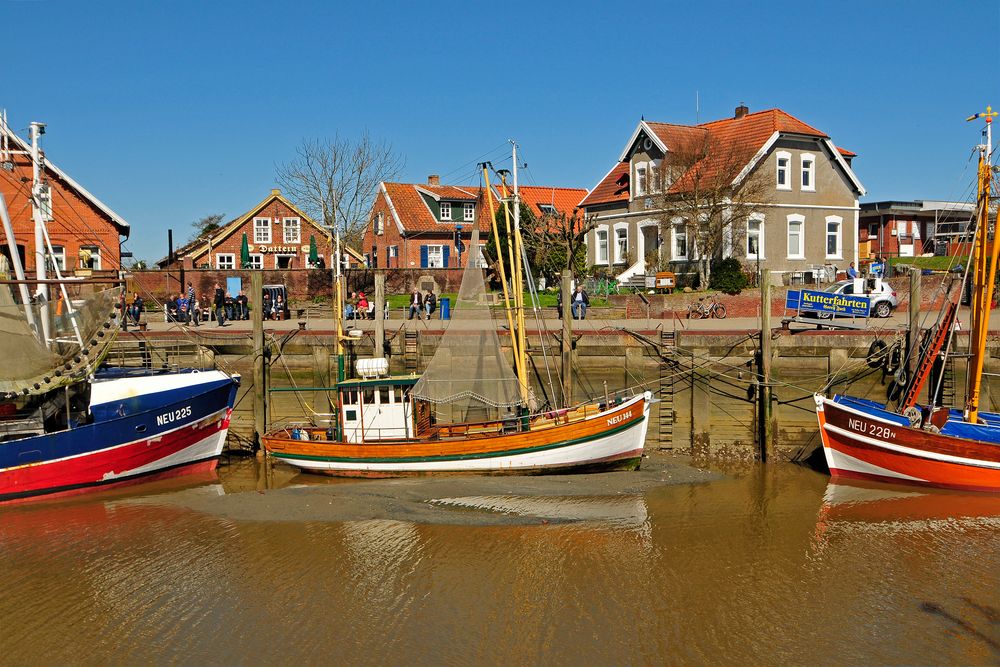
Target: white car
[883,300]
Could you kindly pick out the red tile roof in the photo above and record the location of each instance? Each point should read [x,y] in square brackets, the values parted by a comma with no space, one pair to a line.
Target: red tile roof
[742,137]
[414,214]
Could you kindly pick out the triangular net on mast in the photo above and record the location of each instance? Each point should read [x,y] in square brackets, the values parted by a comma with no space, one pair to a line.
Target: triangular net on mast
[29,367]
[470,378]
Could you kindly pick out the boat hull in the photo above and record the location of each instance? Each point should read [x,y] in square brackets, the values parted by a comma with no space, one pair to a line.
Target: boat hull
[859,443]
[609,440]
[181,431]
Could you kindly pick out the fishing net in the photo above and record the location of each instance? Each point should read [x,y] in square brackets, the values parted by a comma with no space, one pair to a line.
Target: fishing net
[32,367]
[470,378]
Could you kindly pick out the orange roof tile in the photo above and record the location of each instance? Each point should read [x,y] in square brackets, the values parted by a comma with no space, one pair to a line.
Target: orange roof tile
[414,214]
[612,188]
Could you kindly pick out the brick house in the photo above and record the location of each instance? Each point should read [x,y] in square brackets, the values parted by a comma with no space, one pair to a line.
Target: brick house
[86,235]
[809,218]
[416,225]
[278,236]
[914,228]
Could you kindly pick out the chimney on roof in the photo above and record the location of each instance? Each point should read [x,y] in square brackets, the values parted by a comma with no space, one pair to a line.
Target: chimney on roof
[433,179]
[741,110]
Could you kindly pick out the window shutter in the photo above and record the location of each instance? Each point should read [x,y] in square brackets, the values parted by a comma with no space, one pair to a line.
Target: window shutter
[423,257]
[446,252]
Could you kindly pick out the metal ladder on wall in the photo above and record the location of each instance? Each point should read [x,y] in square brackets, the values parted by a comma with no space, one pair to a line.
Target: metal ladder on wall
[411,350]
[665,408]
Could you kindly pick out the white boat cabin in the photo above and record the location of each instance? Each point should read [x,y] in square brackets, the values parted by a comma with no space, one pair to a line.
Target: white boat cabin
[379,408]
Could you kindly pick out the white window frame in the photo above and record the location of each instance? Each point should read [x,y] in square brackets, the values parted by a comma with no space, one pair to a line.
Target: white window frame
[225,261]
[446,211]
[871,226]
[800,220]
[641,184]
[758,218]
[279,255]
[621,257]
[602,245]
[379,226]
[261,230]
[468,212]
[811,170]
[45,202]
[787,169]
[59,256]
[439,256]
[95,256]
[839,221]
[679,230]
[288,225]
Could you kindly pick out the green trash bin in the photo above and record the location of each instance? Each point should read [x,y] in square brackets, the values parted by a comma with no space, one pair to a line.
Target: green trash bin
[445,303]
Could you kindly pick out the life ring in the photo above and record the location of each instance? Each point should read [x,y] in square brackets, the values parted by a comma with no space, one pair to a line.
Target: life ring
[876,352]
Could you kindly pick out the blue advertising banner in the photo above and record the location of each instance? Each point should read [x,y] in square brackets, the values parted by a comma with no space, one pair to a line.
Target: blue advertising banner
[812,301]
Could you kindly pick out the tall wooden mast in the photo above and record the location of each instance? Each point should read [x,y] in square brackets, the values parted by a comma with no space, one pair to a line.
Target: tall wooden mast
[984,266]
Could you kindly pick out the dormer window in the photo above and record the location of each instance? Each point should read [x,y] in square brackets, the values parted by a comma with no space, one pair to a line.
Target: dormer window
[784,181]
[468,212]
[640,180]
[809,172]
[446,210]
[547,209]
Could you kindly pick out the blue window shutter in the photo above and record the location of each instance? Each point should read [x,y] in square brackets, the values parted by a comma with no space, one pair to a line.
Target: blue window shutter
[446,251]
[423,257]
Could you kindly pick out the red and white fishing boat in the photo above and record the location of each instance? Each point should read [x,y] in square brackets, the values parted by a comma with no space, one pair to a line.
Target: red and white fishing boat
[69,423]
[929,444]
[470,411]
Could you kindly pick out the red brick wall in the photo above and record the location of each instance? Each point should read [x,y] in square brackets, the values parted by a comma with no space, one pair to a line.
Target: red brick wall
[76,222]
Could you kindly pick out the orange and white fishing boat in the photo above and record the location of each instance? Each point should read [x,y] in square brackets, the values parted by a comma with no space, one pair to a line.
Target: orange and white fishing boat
[471,411]
[930,444]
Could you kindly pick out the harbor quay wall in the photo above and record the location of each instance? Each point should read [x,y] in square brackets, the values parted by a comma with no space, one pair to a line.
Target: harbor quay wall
[705,381]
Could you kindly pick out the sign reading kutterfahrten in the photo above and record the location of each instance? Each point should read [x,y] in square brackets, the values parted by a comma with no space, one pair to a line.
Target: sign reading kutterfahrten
[848,305]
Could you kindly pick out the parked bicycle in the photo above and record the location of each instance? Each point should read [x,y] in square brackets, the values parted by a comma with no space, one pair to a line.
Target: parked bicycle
[606,287]
[706,307]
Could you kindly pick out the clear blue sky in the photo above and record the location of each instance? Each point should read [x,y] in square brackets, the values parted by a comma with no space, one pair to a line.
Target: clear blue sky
[170,111]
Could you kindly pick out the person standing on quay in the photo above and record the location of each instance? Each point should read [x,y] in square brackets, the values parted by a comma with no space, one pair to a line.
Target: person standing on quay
[220,305]
[243,306]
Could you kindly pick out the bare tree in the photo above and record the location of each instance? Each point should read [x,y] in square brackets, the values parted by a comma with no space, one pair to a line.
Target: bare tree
[704,185]
[559,241]
[335,180]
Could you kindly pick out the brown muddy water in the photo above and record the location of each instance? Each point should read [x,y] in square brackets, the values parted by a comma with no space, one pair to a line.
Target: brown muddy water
[671,565]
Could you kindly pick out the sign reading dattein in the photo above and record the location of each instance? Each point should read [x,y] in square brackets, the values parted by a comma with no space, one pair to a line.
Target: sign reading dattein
[848,305]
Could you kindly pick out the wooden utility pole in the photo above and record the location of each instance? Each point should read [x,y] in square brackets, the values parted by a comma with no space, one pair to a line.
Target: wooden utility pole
[913,337]
[567,338]
[379,314]
[765,423]
[259,366]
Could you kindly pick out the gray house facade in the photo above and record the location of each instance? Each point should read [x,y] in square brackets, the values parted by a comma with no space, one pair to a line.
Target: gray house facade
[805,223]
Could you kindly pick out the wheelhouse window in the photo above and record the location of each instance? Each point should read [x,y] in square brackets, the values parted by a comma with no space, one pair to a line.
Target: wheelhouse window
[680,241]
[446,210]
[90,257]
[225,261]
[784,165]
[468,212]
[755,238]
[262,230]
[808,172]
[796,232]
[834,237]
[292,230]
[602,246]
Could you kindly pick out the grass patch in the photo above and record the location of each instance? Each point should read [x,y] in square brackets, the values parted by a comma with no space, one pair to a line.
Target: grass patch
[932,263]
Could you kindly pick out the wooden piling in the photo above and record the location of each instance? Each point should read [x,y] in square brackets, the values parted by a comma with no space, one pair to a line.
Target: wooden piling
[765,418]
[913,333]
[379,314]
[259,366]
